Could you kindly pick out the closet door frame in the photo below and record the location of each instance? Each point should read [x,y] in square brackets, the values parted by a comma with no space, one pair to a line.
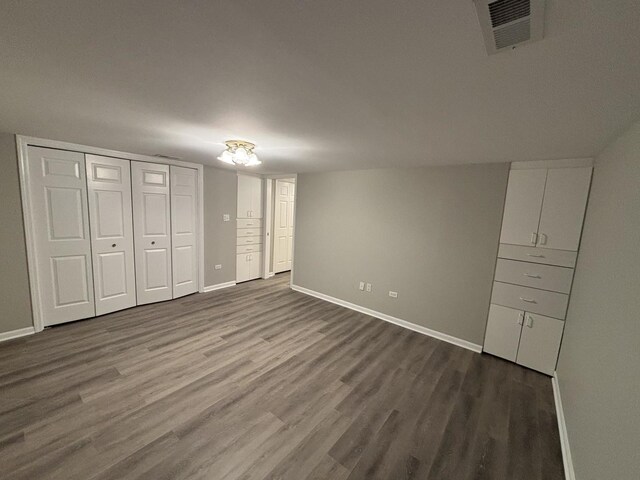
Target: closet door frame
[22,144]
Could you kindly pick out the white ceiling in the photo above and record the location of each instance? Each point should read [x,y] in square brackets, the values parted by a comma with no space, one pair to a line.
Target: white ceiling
[318,85]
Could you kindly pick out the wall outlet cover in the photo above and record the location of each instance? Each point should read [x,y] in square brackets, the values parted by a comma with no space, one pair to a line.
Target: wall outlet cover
[218,267]
[393,294]
[369,287]
[361,285]
[226,217]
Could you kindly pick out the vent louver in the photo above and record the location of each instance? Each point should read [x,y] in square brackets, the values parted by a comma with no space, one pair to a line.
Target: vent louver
[507,23]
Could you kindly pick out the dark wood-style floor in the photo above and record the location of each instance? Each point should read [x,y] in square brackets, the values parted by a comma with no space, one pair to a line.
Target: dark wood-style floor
[260,382]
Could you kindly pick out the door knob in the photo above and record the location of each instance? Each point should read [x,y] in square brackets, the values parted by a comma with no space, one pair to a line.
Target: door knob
[113,245]
[153,243]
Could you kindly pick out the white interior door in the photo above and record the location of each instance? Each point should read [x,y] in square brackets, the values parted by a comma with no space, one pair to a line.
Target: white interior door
[283,226]
[540,343]
[522,206]
[58,192]
[152,231]
[110,215]
[184,224]
[503,332]
[565,201]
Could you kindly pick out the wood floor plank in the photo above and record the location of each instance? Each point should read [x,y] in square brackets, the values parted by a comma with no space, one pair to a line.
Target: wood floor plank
[260,382]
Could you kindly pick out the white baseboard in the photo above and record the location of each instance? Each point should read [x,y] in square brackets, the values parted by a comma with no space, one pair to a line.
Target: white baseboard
[17,333]
[211,288]
[569,474]
[388,318]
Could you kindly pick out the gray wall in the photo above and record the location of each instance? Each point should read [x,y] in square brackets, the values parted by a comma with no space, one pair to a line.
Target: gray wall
[220,197]
[15,302]
[431,234]
[599,366]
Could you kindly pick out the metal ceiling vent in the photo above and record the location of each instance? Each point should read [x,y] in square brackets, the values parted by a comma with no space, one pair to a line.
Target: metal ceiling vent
[507,23]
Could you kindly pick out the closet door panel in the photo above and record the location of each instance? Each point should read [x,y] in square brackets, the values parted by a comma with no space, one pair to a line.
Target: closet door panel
[58,189]
[152,225]
[184,215]
[109,187]
[565,201]
[522,206]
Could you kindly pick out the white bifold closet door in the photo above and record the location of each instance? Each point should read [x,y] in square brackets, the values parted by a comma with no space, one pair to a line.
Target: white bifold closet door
[152,231]
[61,233]
[184,225]
[109,189]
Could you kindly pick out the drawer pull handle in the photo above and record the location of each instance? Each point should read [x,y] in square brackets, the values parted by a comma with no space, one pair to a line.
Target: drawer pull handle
[534,255]
[528,300]
[530,275]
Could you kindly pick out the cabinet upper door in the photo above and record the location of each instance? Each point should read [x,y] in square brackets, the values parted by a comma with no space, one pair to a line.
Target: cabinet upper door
[540,342]
[503,332]
[565,201]
[244,196]
[522,206]
[256,197]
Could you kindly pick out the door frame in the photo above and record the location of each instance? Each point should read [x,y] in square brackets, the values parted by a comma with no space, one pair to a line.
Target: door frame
[22,144]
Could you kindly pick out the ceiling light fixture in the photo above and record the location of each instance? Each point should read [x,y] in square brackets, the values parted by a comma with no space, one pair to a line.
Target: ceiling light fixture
[239,152]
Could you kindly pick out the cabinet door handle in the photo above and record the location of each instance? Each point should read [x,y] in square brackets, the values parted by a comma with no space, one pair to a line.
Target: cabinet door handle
[529,321]
[520,318]
[543,239]
[528,300]
[534,238]
[530,275]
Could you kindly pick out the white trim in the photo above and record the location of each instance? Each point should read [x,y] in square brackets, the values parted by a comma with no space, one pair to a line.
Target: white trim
[22,144]
[388,318]
[564,163]
[211,288]
[21,332]
[569,473]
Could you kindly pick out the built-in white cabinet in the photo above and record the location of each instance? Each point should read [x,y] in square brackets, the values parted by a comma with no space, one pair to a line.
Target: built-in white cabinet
[248,266]
[542,222]
[249,229]
[106,233]
[249,197]
[529,339]
[545,207]
[111,222]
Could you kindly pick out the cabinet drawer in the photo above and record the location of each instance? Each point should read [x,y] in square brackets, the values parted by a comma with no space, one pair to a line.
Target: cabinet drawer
[249,223]
[249,232]
[248,248]
[546,277]
[532,300]
[562,258]
[248,240]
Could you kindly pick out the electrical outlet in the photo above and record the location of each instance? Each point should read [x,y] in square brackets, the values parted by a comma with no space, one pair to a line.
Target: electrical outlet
[218,267]
[369,287]
[225,217]
[361,285]
[393,294]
